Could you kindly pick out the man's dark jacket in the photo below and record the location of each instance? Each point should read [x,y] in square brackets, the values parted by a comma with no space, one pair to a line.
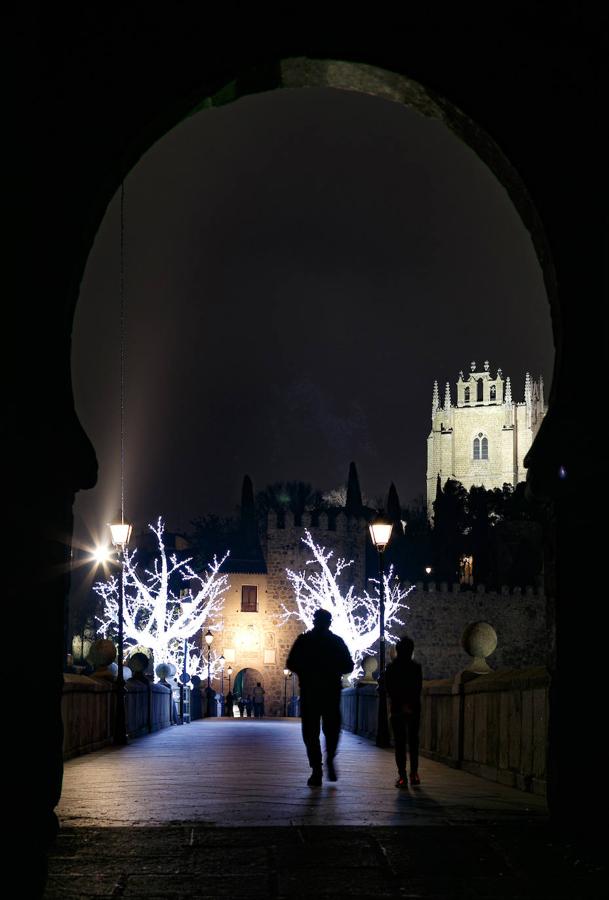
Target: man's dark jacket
[319,658]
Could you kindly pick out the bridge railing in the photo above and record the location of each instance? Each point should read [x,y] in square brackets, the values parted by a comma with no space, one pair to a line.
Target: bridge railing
[88,711]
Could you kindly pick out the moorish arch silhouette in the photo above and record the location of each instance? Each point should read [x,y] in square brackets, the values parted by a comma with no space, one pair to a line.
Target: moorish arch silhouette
[102,125]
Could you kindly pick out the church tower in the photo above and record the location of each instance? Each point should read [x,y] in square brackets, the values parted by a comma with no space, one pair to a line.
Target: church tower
[483,437]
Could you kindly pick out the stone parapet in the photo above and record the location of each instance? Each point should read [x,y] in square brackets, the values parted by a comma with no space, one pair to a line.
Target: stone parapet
[88,710]
[494,726]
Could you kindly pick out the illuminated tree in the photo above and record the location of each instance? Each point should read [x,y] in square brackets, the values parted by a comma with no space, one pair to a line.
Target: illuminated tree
[355,617]
[154,615]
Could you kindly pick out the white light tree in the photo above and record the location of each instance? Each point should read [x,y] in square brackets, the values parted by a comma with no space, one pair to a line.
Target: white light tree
[155,616]
[355,617]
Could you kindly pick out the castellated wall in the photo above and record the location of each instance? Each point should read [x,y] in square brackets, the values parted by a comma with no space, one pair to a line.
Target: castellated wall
[438,617]
[436,620]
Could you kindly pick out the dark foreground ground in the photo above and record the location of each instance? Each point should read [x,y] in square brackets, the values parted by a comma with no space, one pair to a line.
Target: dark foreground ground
[433,861]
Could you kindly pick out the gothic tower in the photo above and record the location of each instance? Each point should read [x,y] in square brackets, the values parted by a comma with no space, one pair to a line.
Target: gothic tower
[483,438]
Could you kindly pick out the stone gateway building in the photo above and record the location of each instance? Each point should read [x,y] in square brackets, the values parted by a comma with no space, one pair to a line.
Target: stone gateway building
[255,636]
[484,437]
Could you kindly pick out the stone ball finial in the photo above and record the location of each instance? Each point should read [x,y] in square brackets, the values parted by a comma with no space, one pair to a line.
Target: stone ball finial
[479,640]
[370,665]
[102,652]
[102,655]
[138,663]
[163,671]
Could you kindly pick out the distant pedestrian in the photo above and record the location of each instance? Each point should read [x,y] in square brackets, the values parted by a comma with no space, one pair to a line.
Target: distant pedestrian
[258,701]
[249,704]
[240,706]
[320,658]
[403,682]
[229,705]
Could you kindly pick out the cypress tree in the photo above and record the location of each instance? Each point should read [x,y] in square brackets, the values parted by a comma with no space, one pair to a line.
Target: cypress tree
[354,505]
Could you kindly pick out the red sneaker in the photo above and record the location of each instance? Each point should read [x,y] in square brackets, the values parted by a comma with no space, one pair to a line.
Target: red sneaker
[414,778]
[402,782]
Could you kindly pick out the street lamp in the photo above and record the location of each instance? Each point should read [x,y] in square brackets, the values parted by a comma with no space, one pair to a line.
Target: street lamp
[380,532]
[209,638]
[121,532]
[286,675]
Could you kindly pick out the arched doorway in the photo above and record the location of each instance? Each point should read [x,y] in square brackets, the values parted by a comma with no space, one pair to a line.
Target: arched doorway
[245,682]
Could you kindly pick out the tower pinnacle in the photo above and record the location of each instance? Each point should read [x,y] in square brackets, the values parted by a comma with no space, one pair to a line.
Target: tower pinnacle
[435,400]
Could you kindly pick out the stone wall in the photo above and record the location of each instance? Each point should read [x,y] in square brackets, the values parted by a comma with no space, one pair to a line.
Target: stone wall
[438,617]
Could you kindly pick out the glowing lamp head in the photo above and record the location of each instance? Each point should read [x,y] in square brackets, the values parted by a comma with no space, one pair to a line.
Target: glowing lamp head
[428,569]
[121,532]
[286,672]
[230,670]
[380,531]
[222,661]
[209,638]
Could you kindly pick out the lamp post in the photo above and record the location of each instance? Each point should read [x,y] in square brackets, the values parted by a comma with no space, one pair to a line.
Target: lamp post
[286,675]
[209,638]
[185,597]
[222,661]
[229,673]
[293,702]
[121,532]
[380,532]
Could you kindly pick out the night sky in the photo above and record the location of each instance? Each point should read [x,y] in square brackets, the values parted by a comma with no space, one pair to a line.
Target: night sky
[300,267]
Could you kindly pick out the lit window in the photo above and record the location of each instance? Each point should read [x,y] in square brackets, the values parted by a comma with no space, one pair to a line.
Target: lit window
[480,448]
[466,570]
[249,598]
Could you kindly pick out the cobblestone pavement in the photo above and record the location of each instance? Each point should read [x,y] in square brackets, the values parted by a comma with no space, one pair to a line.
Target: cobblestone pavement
[221,809]
[243,772]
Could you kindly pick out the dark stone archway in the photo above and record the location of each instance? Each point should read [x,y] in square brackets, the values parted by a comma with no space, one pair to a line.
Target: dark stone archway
[108,91]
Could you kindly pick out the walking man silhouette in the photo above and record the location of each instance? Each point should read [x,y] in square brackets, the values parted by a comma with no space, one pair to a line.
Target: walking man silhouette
[320,658]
